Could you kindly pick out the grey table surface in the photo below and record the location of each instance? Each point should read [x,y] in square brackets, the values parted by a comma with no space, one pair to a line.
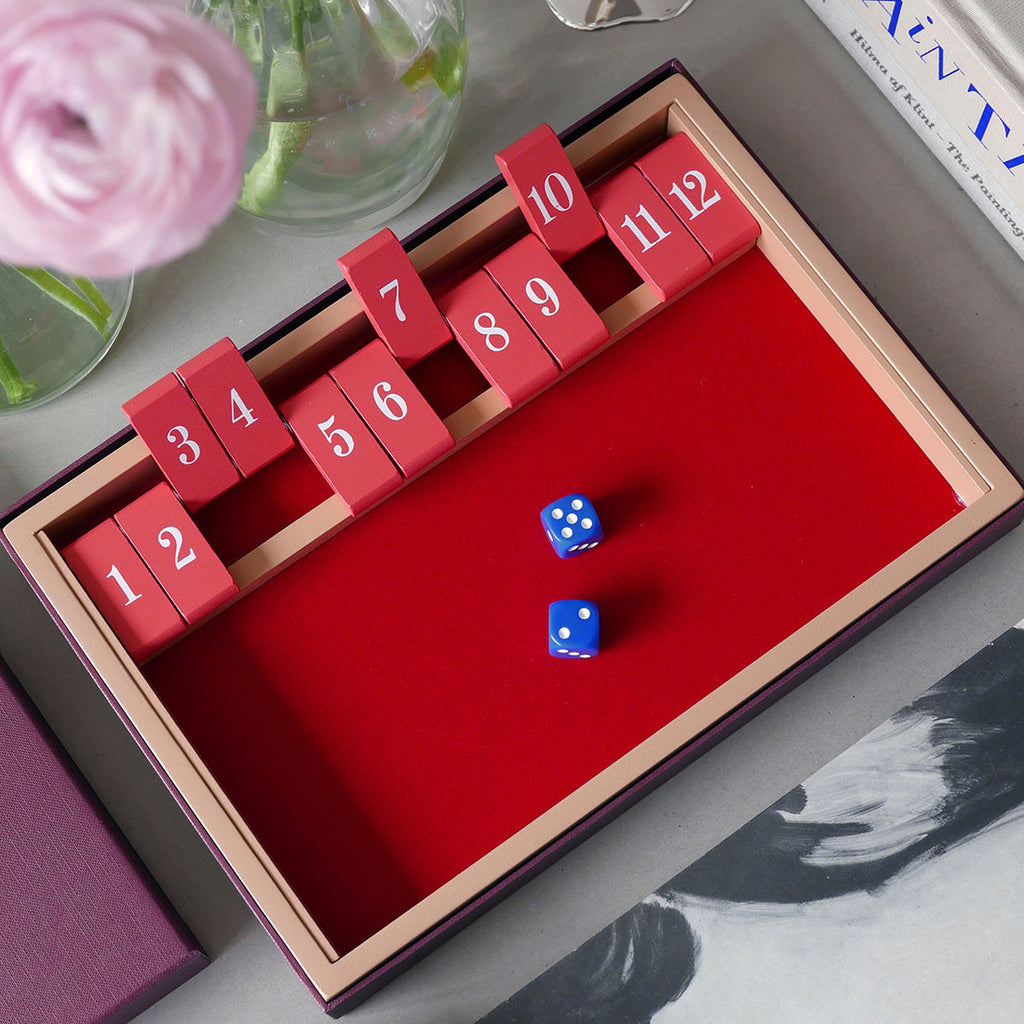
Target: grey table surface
[917,243]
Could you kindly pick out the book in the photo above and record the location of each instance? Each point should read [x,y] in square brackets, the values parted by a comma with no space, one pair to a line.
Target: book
[955,72]
[885,887]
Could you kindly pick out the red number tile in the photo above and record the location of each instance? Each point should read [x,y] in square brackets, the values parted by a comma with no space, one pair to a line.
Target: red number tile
[393,409]
[649,234]
[700,197]
[341,445]
[124,590]
[497,339]
[235,405]
[548,301]
[395,298]
[181,442]
[549,193]
[177,554]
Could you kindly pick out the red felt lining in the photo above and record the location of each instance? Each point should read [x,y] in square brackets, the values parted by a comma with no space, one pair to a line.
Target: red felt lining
[262,505]
[385,711]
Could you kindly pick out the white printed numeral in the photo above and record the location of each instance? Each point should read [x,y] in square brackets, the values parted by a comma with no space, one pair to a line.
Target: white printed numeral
[129,595]
[240,412]
[491,330]
[659,232]
[695,182]
[179,436]
[559,196]
[170,536]
[345,443]
[540,293]
[392,404]
[393,286]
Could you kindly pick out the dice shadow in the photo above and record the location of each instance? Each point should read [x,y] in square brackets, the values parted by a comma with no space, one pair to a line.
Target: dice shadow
[620,509]
[624,611]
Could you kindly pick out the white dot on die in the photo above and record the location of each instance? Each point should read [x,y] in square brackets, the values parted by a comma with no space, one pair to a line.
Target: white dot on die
[564,633]
[556,513]
[572,518]
[584,614]
[586,523]
[563,650]
[584,655]
[566,532]
[577,504]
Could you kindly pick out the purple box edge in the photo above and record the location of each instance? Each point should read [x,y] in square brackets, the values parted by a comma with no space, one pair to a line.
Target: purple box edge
[176,955]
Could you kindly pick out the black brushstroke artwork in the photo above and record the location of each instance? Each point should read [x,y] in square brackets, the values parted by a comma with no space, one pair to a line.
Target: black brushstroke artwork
[938,777]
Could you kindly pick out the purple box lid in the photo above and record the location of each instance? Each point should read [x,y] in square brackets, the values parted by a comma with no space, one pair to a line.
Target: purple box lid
[85,934]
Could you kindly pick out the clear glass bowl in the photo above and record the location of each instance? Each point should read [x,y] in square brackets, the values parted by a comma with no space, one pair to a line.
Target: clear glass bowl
[45,346]
[358,101]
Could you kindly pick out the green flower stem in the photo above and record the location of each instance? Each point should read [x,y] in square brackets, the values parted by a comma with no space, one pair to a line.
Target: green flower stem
[66,296]
[95,296]
[391,34]
[442,66]
[288,78]
[288,88]
[296,10]
[288,85]
[335,11]
[15,386]
[247,28]
[265,179]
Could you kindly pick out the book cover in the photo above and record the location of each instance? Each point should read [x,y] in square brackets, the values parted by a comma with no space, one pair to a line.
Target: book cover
[86,936]
[886,887]
[955,73]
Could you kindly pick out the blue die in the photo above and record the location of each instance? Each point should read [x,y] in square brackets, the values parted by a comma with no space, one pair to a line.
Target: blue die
[574,629]
[572,525]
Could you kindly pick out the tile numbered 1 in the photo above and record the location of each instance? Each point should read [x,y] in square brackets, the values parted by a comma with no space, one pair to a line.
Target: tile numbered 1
[549,193]
[181,442]
[123,589]
[387,400]
[341,445]
[649,234]
[548,301]
[177,554]
[394,298]
[497,339]
[700,197]
[231,399]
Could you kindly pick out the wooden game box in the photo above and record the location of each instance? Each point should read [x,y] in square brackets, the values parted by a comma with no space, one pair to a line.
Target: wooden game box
[372,737]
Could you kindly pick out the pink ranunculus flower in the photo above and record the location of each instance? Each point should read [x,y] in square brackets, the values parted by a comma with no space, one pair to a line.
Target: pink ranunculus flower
[122,131]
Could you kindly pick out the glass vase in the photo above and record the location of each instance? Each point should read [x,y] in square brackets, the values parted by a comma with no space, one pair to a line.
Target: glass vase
[357,104]
[53,330]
